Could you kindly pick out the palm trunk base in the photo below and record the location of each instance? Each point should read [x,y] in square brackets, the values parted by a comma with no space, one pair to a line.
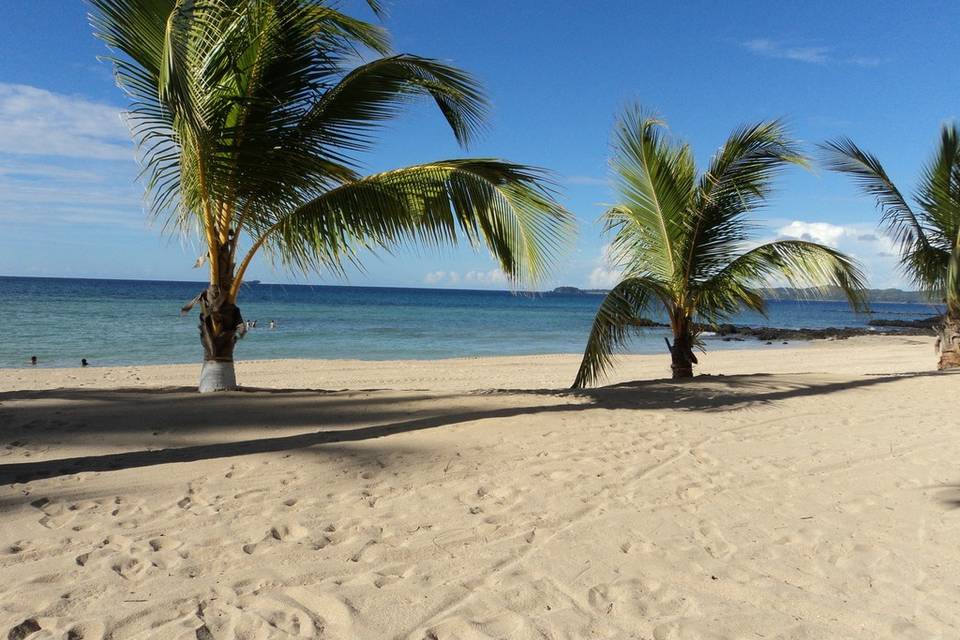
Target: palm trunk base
[683,370]
[217,375]
[682,358]
[219,325]
[949,343]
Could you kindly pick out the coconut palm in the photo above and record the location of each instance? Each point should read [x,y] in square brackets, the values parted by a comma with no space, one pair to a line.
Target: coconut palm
[248,115]
[927,233]
[681,239]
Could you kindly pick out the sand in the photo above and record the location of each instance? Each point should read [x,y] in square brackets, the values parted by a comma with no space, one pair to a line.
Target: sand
[809,492]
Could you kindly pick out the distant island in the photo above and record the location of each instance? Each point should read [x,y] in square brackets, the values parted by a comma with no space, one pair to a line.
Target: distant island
[789,293]
[576,291]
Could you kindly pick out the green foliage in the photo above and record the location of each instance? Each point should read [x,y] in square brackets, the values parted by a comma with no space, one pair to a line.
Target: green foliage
[928,234]
[682,237]
[249,115]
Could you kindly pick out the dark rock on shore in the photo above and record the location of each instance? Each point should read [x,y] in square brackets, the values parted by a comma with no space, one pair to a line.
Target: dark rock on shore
[926,323]
[878,327]
[883,327]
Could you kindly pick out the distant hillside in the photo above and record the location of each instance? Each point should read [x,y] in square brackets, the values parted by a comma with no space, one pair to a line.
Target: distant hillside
[788,293]
[834,293]
[576,291]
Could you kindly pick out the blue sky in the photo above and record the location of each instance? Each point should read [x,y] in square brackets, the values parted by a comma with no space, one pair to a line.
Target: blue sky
[556,72]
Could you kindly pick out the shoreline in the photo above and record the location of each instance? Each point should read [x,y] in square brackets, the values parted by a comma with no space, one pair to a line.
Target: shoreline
[554,371]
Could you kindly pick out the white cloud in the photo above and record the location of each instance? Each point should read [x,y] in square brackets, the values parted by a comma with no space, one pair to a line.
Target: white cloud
[38,122]
[47,172]
[770,48]
[605,273]
[435,277]
[822,232]
[774,49]
[39,194]
[876,252]
[442,277]
[493,276]
[603,278]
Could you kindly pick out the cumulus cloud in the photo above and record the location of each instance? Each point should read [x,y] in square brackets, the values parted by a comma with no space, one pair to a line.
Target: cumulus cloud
[493,276]
[442,277]
[822,232]
[605,273]
[877,253]
[474,278]
[434,277]
[38,122]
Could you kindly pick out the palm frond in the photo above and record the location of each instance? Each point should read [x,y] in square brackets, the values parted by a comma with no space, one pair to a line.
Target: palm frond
[656,180]
[331,23]
[506,207]
[738,181]
[903,224]
[617,318]
[804,265]
[938,196]
[377,90]
[378,8]
[928,236]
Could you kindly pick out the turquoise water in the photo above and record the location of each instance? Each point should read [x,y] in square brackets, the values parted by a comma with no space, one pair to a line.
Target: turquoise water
[111,322]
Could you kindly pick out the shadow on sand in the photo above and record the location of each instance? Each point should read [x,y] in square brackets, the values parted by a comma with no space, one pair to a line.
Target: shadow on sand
[147,418]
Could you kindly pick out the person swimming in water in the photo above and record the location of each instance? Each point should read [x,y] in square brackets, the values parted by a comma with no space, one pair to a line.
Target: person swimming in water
[33,360]
[273,325]
[83,362]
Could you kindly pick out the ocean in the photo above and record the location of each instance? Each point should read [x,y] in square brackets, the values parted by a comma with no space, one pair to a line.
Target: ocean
[124,322]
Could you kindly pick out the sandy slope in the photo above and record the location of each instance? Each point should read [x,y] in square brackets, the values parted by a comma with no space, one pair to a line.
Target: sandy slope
[809,493]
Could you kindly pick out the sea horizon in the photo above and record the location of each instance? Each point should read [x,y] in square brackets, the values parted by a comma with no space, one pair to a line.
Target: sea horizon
[554,291]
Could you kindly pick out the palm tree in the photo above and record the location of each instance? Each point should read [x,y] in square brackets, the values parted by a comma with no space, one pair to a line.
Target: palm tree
[248,115]
[928,233]
[680,238]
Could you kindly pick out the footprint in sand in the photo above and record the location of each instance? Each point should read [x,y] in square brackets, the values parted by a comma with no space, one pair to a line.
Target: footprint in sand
[691,492]
[281,532]
[86,631]
[622,598]
[55,514]
[133,560]
[392,574]
[289,532]
[713,542]
[269,612]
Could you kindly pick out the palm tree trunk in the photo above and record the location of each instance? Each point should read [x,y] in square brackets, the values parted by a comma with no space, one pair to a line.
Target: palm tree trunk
[681,353]
[949,342]
[219,322]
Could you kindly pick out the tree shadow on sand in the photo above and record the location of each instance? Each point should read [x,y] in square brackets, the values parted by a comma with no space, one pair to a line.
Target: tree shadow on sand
[73,416]
[950,496]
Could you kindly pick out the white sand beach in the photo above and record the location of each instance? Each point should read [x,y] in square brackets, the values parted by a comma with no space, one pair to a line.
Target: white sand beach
[809,491]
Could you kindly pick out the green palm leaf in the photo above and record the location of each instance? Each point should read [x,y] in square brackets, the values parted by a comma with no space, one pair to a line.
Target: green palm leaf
[928,236]
[503,206]
[804,265]
[846,157]
[738,181]
[618,317]
[374,92]
[657,183]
